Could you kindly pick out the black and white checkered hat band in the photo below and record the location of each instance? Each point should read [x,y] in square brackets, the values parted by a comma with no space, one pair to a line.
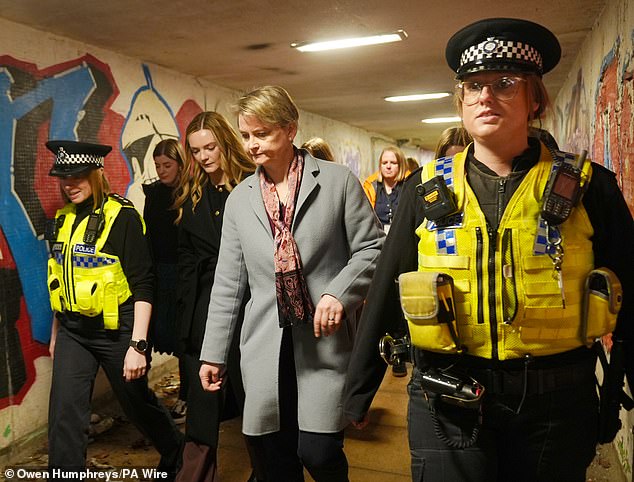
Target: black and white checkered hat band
[65,159]
[501,49]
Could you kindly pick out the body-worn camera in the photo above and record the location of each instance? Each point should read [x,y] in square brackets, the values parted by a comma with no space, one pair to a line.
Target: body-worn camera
[438,200]
[463,392]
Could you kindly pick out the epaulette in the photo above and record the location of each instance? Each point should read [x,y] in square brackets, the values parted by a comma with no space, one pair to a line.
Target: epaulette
[121,200]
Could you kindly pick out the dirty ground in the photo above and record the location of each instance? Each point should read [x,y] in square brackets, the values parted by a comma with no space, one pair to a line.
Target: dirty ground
[117,444]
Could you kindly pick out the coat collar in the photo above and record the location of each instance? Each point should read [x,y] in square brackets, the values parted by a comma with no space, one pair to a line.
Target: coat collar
[308,185]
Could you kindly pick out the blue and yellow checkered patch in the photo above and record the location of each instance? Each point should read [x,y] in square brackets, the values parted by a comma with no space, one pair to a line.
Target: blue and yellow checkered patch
[80,261]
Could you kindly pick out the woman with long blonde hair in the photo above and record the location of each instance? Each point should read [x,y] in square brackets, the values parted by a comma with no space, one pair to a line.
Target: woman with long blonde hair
[215,162]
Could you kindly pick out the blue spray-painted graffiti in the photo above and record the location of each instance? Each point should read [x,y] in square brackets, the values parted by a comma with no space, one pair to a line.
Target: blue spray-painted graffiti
[149,121]
[68,94]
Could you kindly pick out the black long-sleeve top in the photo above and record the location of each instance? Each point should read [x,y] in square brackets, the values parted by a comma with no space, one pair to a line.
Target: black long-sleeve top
[199,235]
[613,247]
[159,221]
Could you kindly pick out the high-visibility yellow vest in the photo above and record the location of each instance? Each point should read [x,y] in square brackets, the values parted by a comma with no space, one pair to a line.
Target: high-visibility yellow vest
[81,277]
[507,297]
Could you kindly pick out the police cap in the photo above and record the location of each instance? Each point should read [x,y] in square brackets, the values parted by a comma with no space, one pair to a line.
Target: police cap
[73,158]
[508,44]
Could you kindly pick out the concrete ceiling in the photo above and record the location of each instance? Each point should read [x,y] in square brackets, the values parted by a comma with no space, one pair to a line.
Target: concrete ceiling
[241,44]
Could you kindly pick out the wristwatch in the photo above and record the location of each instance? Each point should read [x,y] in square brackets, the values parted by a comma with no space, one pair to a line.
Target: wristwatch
[139,345]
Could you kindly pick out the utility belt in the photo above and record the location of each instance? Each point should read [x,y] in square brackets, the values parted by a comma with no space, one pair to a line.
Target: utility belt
[534,381]
[75,321]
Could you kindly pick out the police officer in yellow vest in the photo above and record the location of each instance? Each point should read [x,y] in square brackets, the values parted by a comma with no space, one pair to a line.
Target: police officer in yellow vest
[507,258]
[100,283]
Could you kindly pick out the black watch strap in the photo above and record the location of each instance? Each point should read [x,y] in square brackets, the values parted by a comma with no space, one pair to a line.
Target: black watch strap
[139,345]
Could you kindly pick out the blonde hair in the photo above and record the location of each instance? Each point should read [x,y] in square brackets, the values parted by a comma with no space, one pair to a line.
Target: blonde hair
[234,161]
[452,136]
[400,159]
[271,104]
[317,147]
[99,186]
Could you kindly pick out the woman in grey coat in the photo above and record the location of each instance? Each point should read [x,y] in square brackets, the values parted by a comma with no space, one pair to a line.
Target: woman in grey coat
[301,235]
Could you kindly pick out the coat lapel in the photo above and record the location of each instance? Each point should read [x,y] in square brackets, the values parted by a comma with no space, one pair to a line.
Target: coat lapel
[309,182]
[257,204]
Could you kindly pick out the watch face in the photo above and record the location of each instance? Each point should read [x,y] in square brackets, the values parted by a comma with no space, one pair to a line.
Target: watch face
[141,345]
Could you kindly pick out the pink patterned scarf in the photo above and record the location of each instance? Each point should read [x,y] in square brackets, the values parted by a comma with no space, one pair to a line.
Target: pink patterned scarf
[294,305]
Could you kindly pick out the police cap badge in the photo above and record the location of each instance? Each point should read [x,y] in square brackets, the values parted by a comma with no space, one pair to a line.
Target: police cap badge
[73,158]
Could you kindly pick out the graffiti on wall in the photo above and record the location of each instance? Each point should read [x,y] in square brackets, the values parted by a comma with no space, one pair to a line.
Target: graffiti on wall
[607,130]
[67,101]
[71,100]
[614,136]
[573,128]
[149,121]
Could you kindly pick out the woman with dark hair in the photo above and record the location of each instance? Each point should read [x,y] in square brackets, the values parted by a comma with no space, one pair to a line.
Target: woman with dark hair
[301,238]
[162,233]
[506,284]
[101,287]
[215,162]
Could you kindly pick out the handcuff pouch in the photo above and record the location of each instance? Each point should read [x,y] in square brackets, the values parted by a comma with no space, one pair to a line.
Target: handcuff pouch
[428,305]
[603,296]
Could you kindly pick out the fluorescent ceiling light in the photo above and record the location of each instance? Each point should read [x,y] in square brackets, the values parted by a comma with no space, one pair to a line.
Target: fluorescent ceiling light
[414,97]
[441,120]
[350,42]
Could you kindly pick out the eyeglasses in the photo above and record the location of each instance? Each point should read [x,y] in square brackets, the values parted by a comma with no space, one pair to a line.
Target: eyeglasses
[504,89]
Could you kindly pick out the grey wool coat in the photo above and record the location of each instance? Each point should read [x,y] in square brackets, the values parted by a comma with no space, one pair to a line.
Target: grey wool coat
[339,240]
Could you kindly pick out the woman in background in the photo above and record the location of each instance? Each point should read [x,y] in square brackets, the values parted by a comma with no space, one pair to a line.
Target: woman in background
[319,148]
[162,233]
[452,141]
[383,188]
[216,163]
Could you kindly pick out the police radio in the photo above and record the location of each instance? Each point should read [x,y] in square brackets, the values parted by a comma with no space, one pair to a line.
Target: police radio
[95,225]
[563,191]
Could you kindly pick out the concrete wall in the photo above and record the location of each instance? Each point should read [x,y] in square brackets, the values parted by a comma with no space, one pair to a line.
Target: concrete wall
[594,111]
[52,87]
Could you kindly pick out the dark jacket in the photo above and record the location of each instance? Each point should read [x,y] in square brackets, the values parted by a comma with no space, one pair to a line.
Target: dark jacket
[159,222]
[198,246]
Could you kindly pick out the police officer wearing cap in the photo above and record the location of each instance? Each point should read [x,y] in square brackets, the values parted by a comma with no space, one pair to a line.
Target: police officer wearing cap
[100,283]
[508,258]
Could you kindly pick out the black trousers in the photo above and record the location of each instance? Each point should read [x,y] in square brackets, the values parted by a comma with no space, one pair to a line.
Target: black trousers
[288,451]
[78,356]
[552,438]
